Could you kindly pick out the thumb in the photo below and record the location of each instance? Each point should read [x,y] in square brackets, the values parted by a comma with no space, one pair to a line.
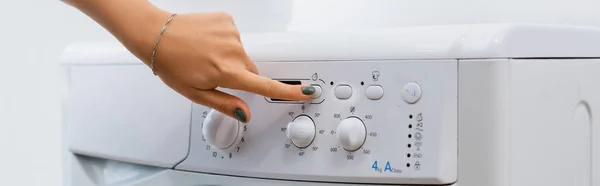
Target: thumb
[225,103]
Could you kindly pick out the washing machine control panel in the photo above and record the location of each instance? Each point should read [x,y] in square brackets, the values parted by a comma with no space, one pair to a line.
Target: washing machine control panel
[389,121]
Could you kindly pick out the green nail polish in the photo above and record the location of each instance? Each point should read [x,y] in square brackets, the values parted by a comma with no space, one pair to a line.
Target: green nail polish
[308,90]
[240,115]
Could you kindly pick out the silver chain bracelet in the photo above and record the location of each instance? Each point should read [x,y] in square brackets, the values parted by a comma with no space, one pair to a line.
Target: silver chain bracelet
[157,40]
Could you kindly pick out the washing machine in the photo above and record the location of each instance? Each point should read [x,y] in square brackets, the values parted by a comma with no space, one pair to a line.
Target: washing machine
[460,105]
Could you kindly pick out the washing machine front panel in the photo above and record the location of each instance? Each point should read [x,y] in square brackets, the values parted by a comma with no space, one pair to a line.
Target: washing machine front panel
[390,121]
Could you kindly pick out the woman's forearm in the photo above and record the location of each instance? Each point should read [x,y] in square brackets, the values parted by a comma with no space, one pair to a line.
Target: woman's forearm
[136,23]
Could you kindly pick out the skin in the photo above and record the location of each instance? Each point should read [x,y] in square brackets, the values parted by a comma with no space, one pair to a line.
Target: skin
[198,52]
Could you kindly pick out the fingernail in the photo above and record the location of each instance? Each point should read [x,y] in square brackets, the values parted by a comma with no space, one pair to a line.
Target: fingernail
[308,90]
[240,115]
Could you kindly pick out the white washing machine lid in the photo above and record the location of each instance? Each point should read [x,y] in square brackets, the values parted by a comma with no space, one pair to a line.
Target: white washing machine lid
[427,42]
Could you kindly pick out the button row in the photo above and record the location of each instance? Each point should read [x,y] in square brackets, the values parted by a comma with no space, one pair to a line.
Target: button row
[373,92]
[411,92]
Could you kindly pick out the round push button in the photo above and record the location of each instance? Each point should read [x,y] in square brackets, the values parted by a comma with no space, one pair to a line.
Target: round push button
[411,92]
[343,92]
[374,92]
[318,91]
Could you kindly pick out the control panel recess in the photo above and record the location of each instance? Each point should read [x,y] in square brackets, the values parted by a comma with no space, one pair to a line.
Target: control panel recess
[388,122]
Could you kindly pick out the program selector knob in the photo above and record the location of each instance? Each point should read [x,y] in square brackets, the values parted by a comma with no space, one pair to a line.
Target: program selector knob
[351,133]
[301,131]
[221,131]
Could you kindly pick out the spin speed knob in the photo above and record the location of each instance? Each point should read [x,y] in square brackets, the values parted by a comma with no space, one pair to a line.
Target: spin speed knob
[221,131]
[301,131]
[351,133]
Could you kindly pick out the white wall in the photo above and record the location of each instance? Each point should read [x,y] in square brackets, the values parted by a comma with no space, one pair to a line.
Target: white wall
[387,13]
[33,33]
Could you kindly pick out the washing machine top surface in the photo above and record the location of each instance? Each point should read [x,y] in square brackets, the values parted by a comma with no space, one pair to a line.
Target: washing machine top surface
[424,42]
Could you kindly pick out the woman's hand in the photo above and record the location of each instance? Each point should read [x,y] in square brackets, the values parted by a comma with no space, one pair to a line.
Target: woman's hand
[198,52]
[202,51]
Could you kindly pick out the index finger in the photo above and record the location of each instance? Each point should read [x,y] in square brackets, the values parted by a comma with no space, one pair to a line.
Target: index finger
[264,86]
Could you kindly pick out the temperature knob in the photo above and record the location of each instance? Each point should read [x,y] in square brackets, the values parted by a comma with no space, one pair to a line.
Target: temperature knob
[221,131]
[301,131]
[351,133]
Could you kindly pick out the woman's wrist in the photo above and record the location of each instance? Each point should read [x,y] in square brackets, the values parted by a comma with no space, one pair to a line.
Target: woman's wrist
[140,35]
[139,26]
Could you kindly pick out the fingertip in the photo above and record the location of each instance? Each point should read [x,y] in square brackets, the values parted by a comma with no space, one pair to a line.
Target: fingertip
[298,92]
[225,103]
[308,90]
[271,88]
[238,109]
[242,113]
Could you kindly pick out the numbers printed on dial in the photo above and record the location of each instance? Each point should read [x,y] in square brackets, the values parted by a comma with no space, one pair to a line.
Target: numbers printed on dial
[216,153]
[366,151]
[350,157]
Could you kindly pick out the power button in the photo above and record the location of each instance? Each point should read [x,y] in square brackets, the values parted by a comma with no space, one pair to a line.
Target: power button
[411,92]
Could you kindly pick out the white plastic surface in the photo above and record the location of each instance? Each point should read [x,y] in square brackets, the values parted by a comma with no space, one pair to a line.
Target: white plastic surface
[427,42]
[566,96]
[183,178]
[529,122]
[125,113]
[266,151]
